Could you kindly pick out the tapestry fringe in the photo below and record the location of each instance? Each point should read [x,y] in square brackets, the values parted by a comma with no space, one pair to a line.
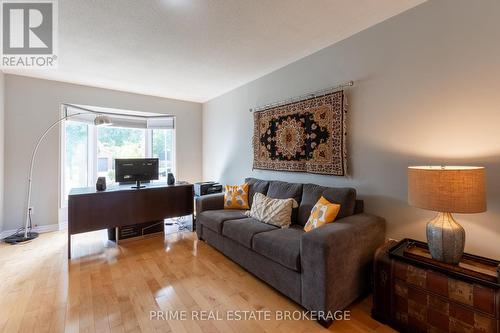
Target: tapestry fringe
[344,148]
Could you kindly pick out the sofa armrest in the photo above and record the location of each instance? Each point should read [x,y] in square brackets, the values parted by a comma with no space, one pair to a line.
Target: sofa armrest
[336,261]
[209,202]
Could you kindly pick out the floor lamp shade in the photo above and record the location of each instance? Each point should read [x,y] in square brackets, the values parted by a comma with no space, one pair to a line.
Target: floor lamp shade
[447,190]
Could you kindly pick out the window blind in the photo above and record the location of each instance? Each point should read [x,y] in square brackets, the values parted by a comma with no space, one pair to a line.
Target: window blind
[120,120]
[160,122]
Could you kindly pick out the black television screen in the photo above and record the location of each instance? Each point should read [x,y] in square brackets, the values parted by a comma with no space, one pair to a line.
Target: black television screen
[136,170]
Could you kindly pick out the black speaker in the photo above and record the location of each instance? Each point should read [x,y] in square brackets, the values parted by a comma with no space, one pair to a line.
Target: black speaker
[170,179]
[100,185]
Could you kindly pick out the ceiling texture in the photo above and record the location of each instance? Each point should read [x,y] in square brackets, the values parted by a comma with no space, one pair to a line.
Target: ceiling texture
[196,50]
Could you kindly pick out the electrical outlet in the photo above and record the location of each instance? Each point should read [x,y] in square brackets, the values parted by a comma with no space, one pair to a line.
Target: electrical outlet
[32,210]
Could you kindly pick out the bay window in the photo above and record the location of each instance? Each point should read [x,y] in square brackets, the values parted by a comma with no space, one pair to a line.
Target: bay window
[90,152]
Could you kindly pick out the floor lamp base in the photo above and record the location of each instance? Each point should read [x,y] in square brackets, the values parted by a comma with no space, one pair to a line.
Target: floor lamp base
[19,238]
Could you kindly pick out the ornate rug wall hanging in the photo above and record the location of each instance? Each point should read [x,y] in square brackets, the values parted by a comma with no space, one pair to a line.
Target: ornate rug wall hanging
[303,136]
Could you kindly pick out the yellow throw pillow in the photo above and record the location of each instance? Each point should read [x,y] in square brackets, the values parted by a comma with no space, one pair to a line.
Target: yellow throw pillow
[322,213]
[236,197]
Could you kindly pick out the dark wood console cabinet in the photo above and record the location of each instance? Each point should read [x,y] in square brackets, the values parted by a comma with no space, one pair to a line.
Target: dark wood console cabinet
[415,293]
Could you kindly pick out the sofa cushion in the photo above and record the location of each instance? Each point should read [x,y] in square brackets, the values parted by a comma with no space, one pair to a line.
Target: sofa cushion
[344,196]
[256,186]
[284,190]
[277,212]
[243,230]
[322,213]
[236,196]
[213,219]
[281,246]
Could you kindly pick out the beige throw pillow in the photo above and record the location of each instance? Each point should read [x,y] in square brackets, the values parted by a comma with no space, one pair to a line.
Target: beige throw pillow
[277,212]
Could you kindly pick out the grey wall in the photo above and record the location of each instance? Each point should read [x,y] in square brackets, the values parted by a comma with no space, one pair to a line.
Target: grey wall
[31,105]
[2,139]
[426,91]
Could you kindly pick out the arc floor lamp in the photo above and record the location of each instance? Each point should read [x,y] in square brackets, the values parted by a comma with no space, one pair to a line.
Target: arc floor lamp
[26,233]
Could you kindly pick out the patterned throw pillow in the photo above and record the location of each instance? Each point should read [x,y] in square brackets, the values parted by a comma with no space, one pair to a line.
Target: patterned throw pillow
[277,212]
[236,197]
[322,213]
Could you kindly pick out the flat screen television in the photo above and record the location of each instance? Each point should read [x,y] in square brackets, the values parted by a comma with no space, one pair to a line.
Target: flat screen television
[128,170]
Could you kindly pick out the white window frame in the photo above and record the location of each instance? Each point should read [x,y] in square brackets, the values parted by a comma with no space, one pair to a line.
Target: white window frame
[92,161]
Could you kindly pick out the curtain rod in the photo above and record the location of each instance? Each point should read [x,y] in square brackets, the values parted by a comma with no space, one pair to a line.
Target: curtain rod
[66,105]
[302,97]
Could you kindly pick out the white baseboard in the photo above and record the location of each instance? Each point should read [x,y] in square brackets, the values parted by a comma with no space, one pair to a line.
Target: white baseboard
[39,229]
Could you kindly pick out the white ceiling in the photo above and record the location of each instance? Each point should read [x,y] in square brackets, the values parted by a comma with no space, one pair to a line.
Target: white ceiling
[198,49]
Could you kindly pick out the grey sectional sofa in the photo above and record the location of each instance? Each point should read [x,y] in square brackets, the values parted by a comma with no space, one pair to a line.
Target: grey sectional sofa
[324,270]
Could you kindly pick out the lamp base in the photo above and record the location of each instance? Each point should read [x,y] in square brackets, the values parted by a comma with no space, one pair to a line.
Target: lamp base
[446,238]
[19,238]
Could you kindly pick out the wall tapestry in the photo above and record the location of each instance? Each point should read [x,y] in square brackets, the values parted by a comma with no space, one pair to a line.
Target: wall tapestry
[303,136]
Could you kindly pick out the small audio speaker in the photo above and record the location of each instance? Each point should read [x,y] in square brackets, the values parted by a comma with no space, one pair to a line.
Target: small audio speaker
[100,185]
[170,179]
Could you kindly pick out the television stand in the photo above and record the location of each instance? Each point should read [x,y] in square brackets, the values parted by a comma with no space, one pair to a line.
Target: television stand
[138,185]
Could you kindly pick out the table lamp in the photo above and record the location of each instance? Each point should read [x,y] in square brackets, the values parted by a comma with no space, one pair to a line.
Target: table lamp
[447,190]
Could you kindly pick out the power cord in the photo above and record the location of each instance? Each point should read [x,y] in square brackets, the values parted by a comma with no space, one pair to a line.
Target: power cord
[178,223]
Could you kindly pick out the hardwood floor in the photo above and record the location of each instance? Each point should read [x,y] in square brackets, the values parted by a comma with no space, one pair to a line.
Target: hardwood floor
[113,289]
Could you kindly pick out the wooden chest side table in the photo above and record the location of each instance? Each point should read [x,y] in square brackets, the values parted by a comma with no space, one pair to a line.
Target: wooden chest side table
[414,293]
